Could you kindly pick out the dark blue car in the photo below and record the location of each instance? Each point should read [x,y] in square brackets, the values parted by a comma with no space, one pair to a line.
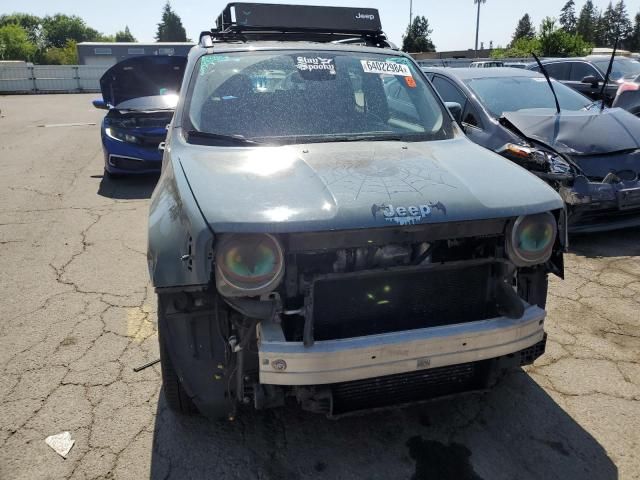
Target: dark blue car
[591,157]
[141,94]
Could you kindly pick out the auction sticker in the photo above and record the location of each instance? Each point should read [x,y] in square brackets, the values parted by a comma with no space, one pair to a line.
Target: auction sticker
[389,68]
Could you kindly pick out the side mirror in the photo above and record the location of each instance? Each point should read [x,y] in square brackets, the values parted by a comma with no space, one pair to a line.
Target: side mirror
[456,110]
[591,79]
[100,104]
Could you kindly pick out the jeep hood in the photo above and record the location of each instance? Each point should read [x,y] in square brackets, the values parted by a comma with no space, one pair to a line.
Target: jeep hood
[579,132]
[144,76]
[325,186]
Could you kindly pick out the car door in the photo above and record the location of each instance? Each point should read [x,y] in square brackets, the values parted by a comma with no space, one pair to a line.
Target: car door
[473,123]
[578,72]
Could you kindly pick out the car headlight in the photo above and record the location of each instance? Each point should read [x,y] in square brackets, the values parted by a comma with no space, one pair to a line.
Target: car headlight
[530,239]
[549,161]
[120,135]
[248,264]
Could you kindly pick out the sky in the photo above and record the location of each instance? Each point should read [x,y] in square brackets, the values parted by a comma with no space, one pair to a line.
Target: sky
[453,21]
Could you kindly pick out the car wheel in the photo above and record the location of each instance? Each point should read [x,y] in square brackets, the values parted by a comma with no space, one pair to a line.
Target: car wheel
[177,399]
[533,287]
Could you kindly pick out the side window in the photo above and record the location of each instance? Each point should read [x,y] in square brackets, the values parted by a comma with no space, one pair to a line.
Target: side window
[579,70]
[400,105]
[558,70]
[471,117]
[448,91]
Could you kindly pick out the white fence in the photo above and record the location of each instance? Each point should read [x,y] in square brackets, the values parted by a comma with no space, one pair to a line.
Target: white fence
[50,78]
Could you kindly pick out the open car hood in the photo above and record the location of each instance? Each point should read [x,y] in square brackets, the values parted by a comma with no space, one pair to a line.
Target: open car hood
[144,76]
[578,132]
[328,186]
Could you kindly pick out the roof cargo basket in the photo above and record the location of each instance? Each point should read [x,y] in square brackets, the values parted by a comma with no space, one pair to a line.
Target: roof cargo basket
[242,21]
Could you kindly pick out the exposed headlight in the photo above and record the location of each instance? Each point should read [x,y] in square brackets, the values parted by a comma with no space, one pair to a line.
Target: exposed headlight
[530,239]
[248,264]
[548,161]
[120,135]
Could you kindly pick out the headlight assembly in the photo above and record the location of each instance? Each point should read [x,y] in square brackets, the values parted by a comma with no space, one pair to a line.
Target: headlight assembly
[547,161]
[248,264]
[530,239]
[120,135]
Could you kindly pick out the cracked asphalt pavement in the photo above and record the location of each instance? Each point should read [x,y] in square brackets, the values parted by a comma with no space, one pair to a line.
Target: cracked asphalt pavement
[78,313]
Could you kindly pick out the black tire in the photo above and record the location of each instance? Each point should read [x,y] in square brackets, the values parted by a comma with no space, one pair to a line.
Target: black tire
[177,399]
[533,287]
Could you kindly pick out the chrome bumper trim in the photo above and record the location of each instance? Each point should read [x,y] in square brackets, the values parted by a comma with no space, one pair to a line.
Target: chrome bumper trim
[332,361]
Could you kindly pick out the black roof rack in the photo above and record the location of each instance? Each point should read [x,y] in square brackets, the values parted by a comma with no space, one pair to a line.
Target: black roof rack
[241,21]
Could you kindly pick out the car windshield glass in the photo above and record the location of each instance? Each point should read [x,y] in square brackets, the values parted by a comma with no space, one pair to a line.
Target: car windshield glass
[510,94]
[307,96]
[620,69]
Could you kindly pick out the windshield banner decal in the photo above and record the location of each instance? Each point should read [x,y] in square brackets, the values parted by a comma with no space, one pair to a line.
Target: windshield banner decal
[389,68]
[316,68]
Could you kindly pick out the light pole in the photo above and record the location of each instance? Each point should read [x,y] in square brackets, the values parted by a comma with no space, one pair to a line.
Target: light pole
[410,12]
[478,22]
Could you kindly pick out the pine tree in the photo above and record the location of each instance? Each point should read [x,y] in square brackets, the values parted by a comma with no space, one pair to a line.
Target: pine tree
[624,27]
[568,17]
[170,28]
[586,21]
[125,36]
[608,27]
[418,37]
[600,27]
[633,41]
[524,29]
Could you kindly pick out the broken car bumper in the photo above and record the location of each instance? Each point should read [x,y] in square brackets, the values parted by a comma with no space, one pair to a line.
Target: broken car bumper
[598,206]
[332,361]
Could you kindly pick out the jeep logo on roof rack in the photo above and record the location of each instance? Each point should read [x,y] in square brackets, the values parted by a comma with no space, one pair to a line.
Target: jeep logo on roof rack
[365,16]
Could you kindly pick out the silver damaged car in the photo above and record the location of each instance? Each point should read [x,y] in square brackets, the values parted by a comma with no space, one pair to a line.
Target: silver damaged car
[323,234]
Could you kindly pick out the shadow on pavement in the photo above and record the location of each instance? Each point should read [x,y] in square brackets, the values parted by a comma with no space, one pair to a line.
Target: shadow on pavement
[514,431]
[619,243]
[134,187]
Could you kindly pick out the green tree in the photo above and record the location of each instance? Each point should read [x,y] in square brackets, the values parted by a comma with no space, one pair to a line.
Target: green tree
[568,17]
[170,28]
[633,41]
[67,55]
[15,43]
[31,23]
[522,47]
[555,42]
[418,37]
[587,21]
[600,27]
[623,25]
[524,29]
[125,36]
[59,28]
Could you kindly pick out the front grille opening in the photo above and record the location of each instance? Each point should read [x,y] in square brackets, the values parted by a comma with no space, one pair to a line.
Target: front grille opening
[409,387]
[392,301]
[132,164]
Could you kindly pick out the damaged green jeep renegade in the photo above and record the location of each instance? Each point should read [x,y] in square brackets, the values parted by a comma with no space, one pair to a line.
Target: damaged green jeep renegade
[324,233]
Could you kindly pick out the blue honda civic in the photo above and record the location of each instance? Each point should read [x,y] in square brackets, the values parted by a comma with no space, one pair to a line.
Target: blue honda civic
[140,94]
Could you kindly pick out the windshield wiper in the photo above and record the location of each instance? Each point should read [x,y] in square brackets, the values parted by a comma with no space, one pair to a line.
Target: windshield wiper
[367,138]
[546,75]
[233,139]
[606,77]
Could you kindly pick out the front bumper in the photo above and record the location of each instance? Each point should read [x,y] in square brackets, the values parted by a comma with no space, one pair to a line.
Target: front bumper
[344,360]
[597,206]
[126,158]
